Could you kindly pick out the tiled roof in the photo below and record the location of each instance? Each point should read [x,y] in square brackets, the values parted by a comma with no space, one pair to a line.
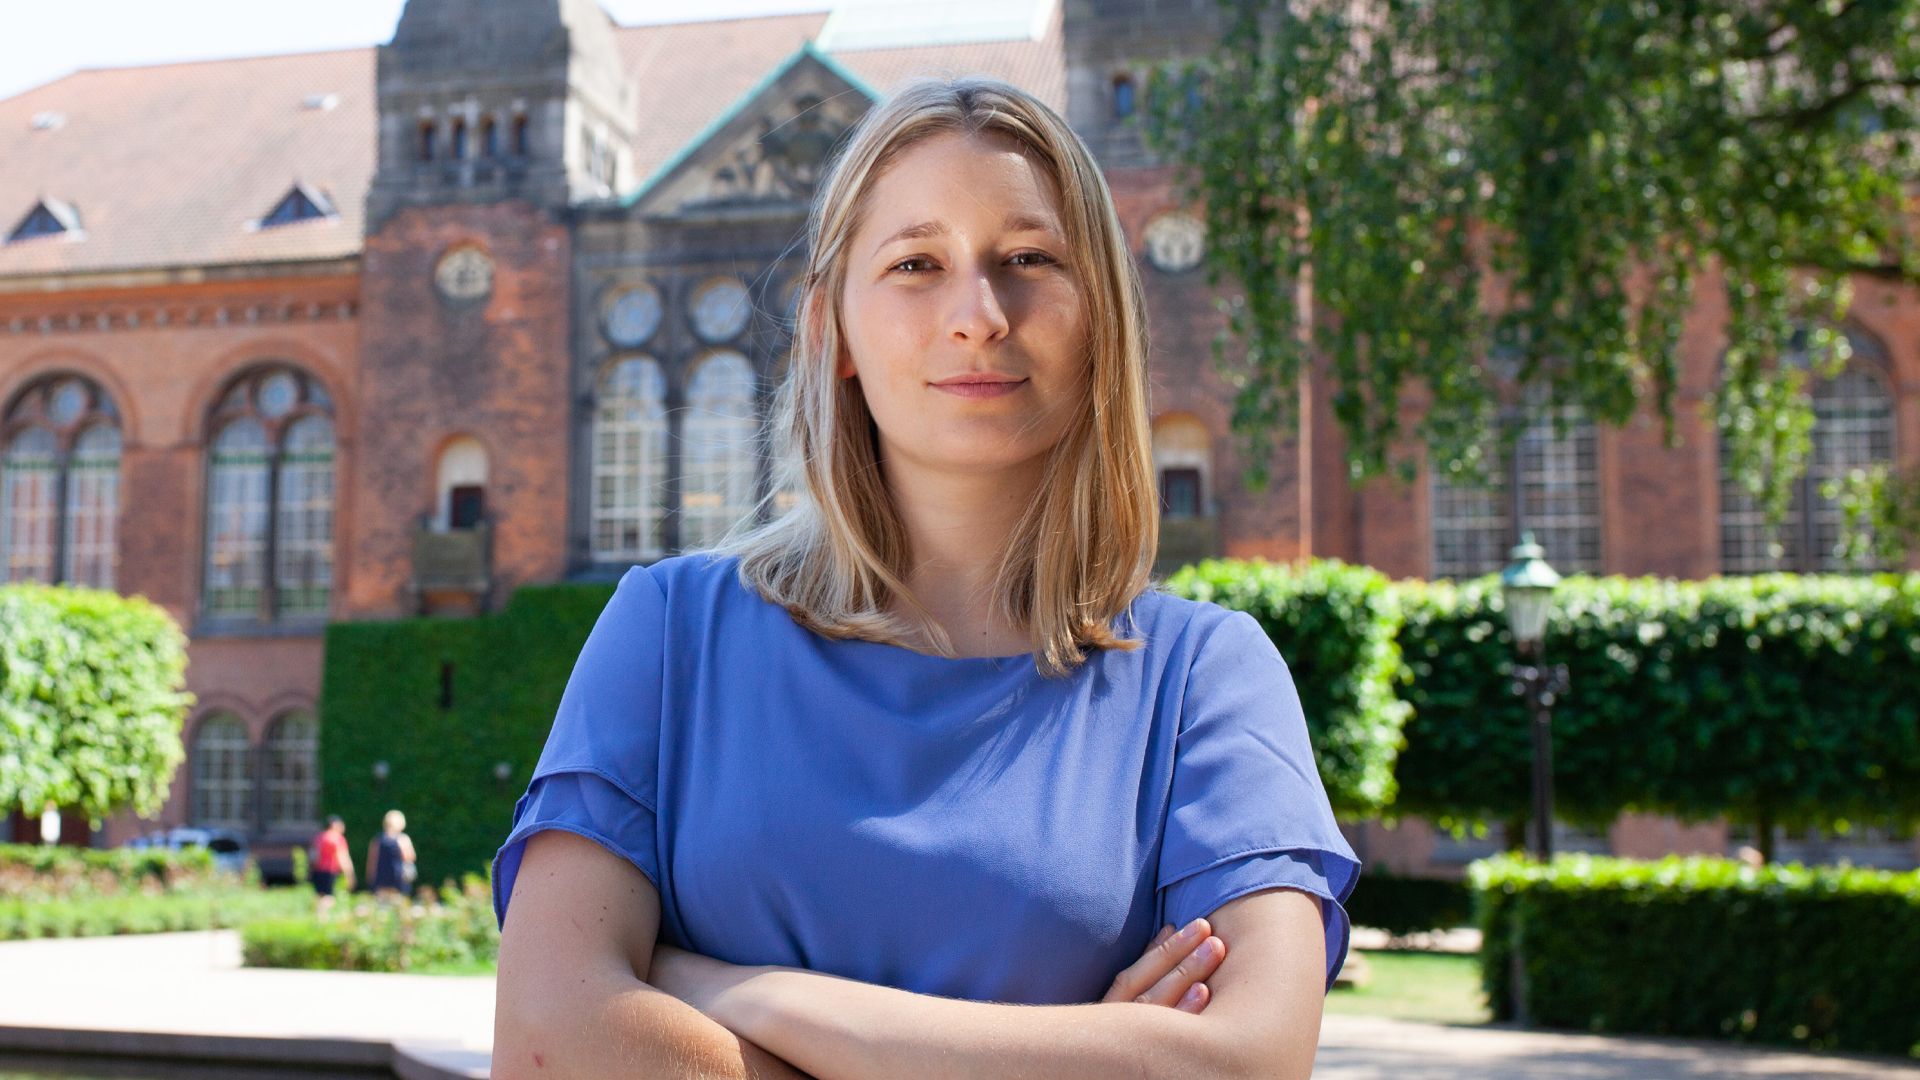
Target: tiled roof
[167,165]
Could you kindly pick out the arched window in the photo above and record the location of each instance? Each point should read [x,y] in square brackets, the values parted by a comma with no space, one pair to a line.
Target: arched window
[293,773]
[489,138]
[427,133]
[459,139]
[1852,429]
[1122,96]
[60,484]
[461,482]
[1550,487]
[1182,461]
[629,457]
[718,436]
[221,763]
[270,498]
[520,135]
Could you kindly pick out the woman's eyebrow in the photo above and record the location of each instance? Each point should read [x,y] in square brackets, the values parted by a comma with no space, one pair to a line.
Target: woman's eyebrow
[1014,222]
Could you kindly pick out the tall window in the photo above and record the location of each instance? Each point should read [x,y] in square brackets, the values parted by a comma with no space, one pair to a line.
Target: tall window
[717,451]
[270,498]
[1852,429]
[629,462]
[292,773]
[60,484]
[221,761]
[1549,487]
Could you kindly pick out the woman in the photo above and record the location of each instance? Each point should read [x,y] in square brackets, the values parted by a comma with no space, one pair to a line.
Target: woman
[390,858]
[852,794]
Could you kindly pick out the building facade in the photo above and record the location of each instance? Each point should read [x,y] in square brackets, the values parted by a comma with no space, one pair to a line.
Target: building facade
[393,331]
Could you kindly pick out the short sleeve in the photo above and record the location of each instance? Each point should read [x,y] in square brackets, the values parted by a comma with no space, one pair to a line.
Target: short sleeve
[1247,809]
[598,772]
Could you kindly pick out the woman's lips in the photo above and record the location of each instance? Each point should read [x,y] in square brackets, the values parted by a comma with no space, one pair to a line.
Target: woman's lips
[981,389]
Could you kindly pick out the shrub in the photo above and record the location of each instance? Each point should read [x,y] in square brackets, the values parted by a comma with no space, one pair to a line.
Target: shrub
[454,926]
[1409,905]
[1820,958]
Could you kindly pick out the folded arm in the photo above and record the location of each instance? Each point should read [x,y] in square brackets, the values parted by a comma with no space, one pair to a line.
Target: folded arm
[1263,1018]
[571,1000]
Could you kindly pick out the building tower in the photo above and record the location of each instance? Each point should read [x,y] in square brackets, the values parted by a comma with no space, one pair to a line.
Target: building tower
[496,118]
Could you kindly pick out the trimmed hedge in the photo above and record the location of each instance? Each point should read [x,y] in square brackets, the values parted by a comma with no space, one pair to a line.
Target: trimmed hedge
[1335,626]
[92,699]
[1409,905]
[97,916]
[1818,958]
[456,927]
[1793,700]
[55,870]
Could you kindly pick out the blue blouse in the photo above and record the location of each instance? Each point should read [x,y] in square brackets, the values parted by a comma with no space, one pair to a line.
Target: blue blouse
[961,827]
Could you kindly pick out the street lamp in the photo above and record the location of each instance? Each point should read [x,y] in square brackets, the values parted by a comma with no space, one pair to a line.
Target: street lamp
[1527,583]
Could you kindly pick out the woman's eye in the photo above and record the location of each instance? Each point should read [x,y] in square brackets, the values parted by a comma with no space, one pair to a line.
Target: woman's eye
[1032,258]
[913,265]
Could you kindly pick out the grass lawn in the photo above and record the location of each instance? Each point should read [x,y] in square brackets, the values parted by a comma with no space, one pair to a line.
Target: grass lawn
[1411,985]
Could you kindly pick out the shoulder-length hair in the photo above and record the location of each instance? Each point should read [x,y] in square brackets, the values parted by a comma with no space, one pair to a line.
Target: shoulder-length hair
[1084,548]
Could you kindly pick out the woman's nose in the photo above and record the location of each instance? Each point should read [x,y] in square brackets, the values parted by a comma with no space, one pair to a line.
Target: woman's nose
[977,313]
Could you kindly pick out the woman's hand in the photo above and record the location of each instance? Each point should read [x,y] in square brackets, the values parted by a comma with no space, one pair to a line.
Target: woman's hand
[1172,970]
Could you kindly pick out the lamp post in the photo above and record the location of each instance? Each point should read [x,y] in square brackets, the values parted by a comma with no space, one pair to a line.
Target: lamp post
[1527,584]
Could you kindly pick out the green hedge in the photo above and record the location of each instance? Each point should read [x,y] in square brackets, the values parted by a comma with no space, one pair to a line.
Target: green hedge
[57,870]
[1823,959]
[194,909]
[92,699]
[1794,700]
[381,700]
[1335,626]
[455,927]
[1409,905]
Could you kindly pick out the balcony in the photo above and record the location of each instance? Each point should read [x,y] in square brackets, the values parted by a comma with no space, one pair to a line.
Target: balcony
[1186,540]
[451,561]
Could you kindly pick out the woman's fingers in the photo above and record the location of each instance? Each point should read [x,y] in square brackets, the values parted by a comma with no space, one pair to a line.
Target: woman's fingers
[1170,968]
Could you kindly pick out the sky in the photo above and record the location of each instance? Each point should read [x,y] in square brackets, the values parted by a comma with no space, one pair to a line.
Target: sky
[41,40]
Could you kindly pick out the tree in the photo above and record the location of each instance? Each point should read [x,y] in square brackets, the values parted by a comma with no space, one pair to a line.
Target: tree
[1482,198]
[91,700]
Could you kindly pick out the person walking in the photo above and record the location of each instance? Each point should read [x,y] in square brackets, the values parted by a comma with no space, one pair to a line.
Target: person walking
[390,859]
[331,862]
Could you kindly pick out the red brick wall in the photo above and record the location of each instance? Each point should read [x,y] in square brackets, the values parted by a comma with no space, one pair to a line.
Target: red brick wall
[430,370]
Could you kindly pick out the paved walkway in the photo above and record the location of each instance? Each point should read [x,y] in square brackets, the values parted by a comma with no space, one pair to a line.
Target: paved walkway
[186,995]
[172,995]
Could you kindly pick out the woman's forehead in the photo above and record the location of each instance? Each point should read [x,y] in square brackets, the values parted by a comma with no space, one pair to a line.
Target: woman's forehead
[941,177]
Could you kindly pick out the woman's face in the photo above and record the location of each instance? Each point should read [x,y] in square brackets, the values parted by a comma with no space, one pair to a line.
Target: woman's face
[959,270]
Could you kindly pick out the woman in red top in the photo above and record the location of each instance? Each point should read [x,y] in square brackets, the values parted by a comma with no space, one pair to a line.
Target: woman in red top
[331,861]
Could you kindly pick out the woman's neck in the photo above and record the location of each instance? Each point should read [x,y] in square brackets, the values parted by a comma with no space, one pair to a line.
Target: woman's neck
[957,526]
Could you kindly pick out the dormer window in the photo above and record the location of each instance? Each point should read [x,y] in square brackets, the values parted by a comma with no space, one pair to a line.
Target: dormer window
[49,217]
[300,204]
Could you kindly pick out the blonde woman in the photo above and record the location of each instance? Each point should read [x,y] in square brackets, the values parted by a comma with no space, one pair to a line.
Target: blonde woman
[390,858]
[918,779]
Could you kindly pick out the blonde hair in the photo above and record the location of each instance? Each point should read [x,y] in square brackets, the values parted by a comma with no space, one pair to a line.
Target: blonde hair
[1084,548]
[395,821]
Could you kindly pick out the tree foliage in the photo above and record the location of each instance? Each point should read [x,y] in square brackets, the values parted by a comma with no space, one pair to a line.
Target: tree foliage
[1494,201]
[92,699]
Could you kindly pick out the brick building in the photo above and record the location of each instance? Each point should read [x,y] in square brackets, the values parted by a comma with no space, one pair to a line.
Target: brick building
[377,332]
